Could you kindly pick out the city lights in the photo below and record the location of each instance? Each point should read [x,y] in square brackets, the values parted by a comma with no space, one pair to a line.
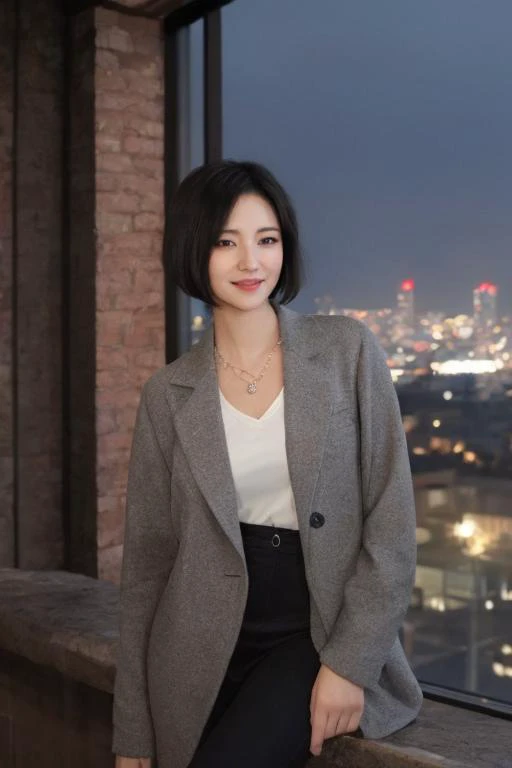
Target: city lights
[501,670]
[454,367]
[438,604]
[466,529]
[477,343]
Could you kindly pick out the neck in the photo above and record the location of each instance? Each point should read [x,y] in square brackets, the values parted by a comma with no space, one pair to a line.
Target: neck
[244,337]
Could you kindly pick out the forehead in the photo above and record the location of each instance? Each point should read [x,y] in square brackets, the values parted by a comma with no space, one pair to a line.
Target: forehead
[252,208]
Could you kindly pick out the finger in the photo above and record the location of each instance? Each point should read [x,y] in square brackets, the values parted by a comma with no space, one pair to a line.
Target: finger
[331,725]
[318,724]
[312,703]
[342,724]
[353,723]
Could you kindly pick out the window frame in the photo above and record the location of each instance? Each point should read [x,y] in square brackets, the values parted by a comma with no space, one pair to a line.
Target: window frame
[177,157]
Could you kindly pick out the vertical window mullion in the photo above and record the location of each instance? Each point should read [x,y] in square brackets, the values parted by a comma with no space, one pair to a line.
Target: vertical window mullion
[212,86]
[177,165]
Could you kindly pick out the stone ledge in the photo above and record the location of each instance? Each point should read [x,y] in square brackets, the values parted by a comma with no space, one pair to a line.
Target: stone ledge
[443,736]
[61,620]
[68,622]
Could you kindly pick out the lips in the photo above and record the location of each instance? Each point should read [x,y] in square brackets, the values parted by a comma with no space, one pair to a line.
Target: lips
[248,283]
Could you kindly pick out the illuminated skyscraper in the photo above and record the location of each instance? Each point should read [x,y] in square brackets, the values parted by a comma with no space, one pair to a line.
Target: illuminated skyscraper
[484,315]
[484,306]
[405,303]
[404,322]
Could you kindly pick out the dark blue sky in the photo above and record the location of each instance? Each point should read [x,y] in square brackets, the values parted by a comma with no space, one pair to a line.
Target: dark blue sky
[390,123]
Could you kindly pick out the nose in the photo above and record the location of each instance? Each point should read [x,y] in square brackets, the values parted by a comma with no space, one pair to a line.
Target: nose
[248,260]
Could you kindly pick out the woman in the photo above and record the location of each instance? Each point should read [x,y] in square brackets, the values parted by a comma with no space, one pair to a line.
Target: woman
[270,536]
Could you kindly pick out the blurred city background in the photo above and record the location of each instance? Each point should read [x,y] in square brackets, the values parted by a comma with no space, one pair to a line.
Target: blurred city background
[390,125]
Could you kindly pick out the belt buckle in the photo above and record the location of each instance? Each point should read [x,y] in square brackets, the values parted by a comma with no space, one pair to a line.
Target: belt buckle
[276,540]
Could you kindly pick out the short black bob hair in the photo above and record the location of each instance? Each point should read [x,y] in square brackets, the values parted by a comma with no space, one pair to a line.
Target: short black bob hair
[199,211]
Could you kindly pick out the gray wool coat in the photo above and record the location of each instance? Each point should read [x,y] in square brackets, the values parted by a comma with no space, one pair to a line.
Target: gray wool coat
[184,580]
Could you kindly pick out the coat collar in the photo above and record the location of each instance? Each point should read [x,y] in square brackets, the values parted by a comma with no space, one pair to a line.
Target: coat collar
[194,398]
[299,337]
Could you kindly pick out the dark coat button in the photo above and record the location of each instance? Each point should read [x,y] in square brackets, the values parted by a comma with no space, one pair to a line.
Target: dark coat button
[316,520]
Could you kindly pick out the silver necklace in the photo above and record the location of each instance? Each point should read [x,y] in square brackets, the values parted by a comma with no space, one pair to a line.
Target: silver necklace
[241,372]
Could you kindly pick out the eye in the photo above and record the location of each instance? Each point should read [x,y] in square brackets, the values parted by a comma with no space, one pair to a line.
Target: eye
[223,243]
[269,240]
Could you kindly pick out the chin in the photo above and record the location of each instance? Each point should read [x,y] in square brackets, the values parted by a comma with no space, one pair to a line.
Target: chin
[245,303]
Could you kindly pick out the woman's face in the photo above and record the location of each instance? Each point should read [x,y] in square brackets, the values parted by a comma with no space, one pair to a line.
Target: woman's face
[245,262]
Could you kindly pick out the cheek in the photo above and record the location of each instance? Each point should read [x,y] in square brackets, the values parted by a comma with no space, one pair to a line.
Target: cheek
[215,267]
[275,262]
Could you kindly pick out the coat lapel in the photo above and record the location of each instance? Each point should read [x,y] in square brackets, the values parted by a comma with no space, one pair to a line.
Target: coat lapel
[308,401]
[200,430]
[307,405]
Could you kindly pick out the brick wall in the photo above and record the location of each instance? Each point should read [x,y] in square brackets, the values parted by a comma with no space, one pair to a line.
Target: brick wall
[128,214]
[81,281]
[129,121]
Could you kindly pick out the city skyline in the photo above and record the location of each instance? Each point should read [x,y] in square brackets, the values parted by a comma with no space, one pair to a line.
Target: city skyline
[390,126]
[410,284]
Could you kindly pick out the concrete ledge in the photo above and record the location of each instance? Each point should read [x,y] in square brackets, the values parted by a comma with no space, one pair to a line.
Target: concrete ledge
[68,622]
[443,736]
[61,620]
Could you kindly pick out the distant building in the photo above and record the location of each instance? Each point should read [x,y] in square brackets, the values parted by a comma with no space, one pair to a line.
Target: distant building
[484,304]
[404,317]
[405,302]
[484,313]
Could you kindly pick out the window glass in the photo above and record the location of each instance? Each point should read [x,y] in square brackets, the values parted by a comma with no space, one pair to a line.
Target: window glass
[198,315]
[390,125]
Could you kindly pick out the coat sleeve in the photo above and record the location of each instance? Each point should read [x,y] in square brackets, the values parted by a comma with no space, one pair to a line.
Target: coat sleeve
[150,549]
[377,594]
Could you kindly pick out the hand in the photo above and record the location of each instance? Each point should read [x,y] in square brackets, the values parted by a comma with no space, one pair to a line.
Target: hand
[336,707]
[132,762]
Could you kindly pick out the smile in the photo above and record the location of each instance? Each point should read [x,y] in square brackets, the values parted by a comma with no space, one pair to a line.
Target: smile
[248,285]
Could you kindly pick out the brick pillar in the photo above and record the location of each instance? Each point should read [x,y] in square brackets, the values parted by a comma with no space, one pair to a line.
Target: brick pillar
[116,239]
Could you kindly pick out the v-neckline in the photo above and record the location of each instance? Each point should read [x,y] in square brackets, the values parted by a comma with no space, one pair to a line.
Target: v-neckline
[270,410]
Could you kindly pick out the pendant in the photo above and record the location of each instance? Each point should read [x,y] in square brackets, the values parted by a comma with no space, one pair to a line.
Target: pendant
[251,388]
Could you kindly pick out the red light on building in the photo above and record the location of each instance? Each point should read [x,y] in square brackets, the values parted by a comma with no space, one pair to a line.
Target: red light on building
[407,285]
[489,288]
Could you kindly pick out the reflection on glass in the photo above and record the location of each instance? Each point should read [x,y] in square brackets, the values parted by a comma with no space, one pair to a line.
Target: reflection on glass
[200,319]
[392,132]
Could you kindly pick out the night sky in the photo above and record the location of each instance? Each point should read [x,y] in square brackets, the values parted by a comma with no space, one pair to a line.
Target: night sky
[390,123]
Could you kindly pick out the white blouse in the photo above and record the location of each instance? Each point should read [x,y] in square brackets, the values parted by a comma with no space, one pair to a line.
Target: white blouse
[259,465]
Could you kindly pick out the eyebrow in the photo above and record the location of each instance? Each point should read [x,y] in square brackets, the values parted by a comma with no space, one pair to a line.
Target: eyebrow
[261,229]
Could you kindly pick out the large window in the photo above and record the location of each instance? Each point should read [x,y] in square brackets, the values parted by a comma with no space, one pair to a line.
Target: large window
[390,124]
